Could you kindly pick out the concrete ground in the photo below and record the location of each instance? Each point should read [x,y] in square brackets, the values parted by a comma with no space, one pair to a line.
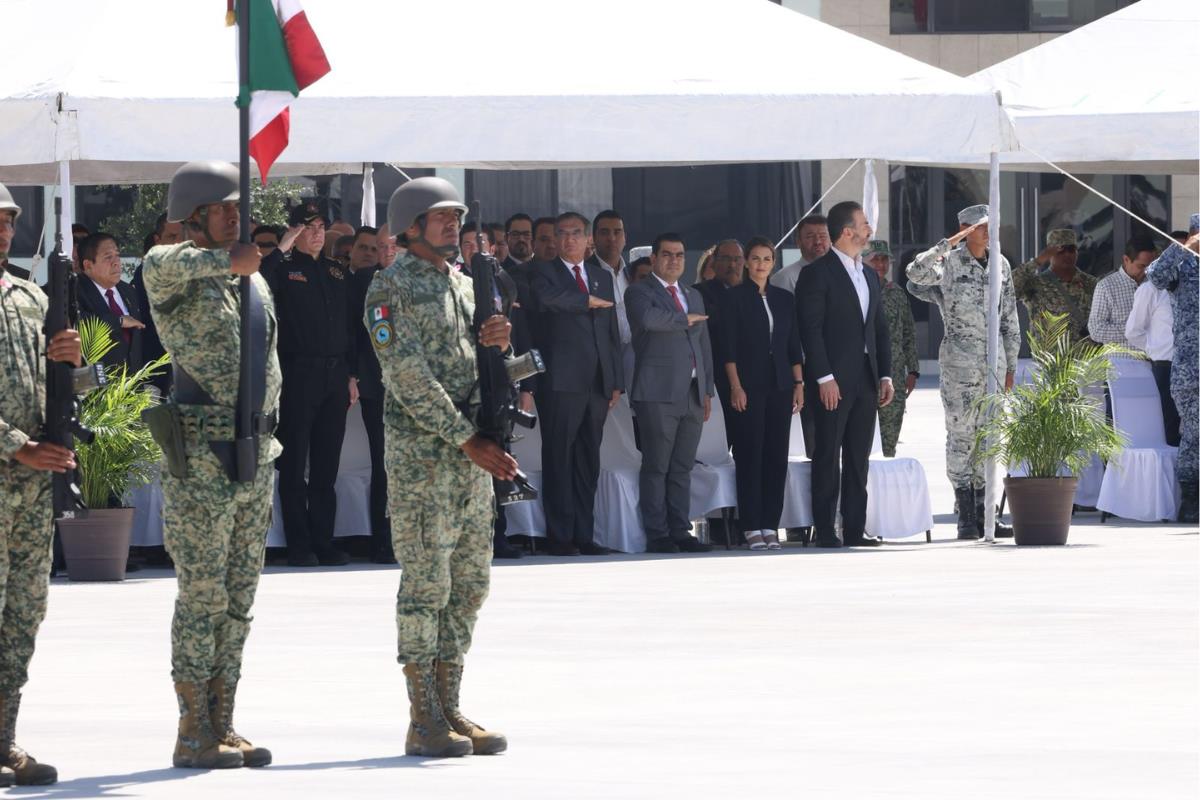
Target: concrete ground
[943,670]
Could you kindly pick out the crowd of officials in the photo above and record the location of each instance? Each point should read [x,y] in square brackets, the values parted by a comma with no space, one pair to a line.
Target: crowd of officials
[607,327]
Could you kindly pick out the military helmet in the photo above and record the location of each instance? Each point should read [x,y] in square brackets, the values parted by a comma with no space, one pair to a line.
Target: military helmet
[417,197]
[7,203]
[201,183]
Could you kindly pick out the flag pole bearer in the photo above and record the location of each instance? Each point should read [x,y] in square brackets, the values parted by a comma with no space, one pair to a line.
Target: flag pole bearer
[247,443]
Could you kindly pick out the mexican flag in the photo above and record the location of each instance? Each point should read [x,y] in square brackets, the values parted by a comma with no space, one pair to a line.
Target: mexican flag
[285,57]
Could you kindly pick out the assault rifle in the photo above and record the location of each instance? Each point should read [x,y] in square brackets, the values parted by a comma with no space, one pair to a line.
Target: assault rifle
[64,383]
[498,376]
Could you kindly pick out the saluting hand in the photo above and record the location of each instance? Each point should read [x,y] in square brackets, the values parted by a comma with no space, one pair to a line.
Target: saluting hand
[598,302]
[694,318]
[958,237]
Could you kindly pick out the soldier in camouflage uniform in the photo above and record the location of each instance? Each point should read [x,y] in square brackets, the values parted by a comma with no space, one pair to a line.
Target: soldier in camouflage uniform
[26,511]
[1061,289]
[214,528]
[419,314]
[903,335]
[1178,271]
[954,274]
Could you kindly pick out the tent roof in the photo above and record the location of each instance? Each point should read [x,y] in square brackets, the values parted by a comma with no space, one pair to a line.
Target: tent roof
[1117,95]
[526,83]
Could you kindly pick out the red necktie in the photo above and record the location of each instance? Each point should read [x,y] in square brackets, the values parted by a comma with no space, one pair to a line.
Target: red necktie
[679,305]
[116,309]
[579,279]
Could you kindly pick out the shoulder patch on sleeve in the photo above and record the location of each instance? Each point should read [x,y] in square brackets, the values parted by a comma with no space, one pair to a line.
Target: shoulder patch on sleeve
[379,316]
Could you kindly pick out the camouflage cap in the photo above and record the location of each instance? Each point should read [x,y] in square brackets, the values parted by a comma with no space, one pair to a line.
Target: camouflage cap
[1194,223]
[1061,237]
[306,212]
[973,215]
[877,247]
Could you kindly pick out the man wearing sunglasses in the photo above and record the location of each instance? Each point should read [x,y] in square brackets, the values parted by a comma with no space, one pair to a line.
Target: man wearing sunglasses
[1061,289]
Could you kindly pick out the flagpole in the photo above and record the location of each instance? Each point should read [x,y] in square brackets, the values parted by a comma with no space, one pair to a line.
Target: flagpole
[247,456]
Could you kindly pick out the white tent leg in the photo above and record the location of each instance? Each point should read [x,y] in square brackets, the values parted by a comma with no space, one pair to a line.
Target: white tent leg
[993,334]
[368,202]
[68,208]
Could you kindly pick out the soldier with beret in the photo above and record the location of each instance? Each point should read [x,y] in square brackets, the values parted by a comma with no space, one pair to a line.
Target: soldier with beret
[1051,282]
[317,335]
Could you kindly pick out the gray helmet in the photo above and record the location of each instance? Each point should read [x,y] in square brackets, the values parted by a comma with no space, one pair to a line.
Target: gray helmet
[417,197]
[201,183]
[7,203]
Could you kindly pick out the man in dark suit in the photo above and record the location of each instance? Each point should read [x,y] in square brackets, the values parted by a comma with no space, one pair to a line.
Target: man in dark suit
[164,233]
[583,380]
[104,295]
[671,394]
[848,366]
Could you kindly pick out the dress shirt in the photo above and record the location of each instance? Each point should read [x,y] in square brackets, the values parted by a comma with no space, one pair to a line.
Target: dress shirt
[854,268]
[786,278]
[1111,302]
[116,296]
[770,316]
[620,284]
[570,268]
[681,298]
[1150,324]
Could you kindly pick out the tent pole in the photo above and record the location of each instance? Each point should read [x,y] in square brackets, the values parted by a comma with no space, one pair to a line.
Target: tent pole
[68,207]
[993,333]
[367,215]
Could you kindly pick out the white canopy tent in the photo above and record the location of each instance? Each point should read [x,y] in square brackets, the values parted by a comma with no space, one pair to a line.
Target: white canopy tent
[1119,93]
[127,89]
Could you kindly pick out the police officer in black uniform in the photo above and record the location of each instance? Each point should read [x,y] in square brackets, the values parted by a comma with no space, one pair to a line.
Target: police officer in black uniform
[317,354]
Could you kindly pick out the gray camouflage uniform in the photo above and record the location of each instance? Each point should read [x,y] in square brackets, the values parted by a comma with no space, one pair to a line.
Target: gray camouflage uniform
[957,282]
[1178,270]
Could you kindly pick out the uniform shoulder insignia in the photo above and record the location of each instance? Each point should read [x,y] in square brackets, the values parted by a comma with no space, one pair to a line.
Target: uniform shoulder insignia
[380,316]
[336,272]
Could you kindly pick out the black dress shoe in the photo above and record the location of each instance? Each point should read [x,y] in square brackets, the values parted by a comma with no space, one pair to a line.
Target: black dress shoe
[305,559]
[828,543]
[799,534]
[690,545]
[502,549]
[866,540]
[593,549]
[563,549]
[661,544]
[332,557]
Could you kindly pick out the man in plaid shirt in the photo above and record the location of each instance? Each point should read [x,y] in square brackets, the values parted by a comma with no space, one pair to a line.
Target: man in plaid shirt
[1113,299]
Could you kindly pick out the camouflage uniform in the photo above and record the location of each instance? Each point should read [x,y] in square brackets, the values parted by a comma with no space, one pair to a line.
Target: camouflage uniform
[441,505]
[214,529]
[1177,270]
[25,501]
[903,335]
[958,283]
[1043,291]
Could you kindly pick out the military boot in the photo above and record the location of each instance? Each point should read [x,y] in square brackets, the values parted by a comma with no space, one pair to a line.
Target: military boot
[428,733]
[1189,506]
[197,747]
[964,501]
[221,694]
[21,768]
[449,681]
[1002,531]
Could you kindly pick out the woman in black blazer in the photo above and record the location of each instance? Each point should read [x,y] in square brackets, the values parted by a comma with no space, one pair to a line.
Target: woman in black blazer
[762,357]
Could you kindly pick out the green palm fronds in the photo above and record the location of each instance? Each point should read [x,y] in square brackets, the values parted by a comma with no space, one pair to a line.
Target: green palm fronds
[1051,424]
[123,454]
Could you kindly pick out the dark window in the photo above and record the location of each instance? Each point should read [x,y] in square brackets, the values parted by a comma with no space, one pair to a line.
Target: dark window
[997,16]
[29,225]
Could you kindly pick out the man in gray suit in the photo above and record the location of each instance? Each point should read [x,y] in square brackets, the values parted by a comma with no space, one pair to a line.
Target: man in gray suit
[672,393]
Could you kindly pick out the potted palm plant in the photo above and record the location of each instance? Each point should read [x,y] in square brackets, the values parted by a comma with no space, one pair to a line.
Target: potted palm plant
[122,455]
[1052,426]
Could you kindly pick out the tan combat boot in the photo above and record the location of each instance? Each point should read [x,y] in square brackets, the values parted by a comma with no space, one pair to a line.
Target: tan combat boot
[6,777]
[22,768]
[220,712]
[449,681]
[197,747]
[428,733]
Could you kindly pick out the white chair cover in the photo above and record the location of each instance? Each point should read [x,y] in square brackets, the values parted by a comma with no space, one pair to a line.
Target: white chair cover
[797,494]
[714,477]
[527,518]
[1140,482]
[897,495]
[147,503]
[618,522]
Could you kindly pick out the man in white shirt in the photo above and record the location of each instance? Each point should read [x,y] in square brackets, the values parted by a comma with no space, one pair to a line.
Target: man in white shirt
[1113,297]
[1149,329]
[812,237]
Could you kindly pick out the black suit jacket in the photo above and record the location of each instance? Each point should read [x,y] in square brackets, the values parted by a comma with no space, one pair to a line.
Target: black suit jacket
[152,346]
[520,337]
[93,304]
[832,328]
[764,356]
[577,342]
[370,376]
